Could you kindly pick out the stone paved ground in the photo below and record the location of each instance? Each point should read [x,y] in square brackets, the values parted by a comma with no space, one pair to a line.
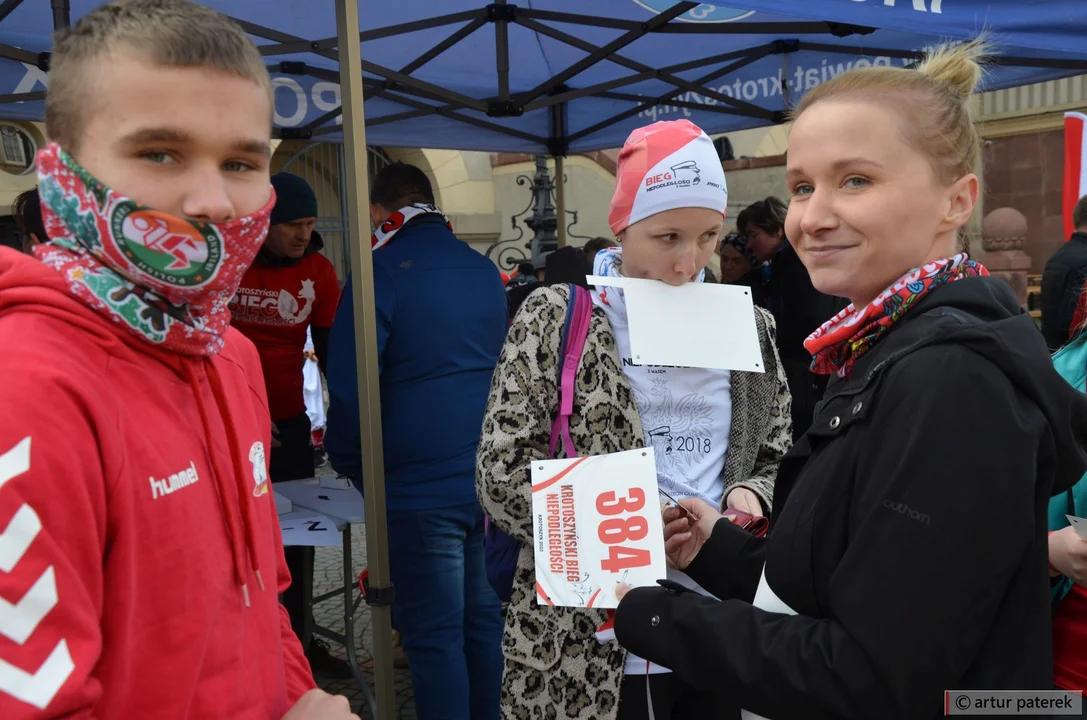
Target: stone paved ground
[328,575]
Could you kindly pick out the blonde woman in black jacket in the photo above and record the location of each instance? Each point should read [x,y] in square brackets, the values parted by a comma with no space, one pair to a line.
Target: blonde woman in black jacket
[908,554]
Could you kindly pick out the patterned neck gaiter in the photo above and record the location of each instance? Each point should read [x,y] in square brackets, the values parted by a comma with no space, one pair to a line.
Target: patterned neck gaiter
[388,230]
[843,339]
[165,279]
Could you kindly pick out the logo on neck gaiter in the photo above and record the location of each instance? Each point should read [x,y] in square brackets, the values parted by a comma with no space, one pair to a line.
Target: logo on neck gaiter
[165,247]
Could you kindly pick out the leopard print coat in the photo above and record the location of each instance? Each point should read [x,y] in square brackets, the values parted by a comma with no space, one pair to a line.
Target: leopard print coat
[554,666]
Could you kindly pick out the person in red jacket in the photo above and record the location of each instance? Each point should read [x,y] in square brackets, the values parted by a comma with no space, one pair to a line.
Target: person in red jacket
[140,553]
[289,288]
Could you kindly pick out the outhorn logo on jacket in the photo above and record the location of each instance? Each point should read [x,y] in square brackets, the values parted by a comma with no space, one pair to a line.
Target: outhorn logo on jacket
[904,509]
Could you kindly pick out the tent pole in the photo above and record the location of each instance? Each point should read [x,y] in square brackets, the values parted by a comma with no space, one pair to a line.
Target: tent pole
[62,14]
[8,6]
[357,193]
[560,200]
[786,96]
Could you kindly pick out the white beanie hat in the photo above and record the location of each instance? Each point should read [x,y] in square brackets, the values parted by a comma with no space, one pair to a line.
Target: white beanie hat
[666,165]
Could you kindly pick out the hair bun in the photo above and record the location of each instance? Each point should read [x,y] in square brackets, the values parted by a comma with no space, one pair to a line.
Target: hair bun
[956,67]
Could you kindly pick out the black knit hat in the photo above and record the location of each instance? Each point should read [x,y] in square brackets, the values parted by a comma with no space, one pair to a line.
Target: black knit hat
[295,199]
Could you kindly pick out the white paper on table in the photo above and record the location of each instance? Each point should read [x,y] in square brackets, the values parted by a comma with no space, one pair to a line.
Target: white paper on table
[597,522]
[335,482]
[283,504]
[700,325]
[341,504]
[301,528]
[1079,524]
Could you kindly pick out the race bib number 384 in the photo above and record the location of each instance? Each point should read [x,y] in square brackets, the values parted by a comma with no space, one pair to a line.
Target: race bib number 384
[597,523]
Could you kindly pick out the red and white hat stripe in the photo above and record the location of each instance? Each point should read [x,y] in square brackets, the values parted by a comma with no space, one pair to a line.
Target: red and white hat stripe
[664,166]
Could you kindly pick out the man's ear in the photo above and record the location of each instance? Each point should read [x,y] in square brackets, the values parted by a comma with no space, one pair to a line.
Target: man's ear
[377,215]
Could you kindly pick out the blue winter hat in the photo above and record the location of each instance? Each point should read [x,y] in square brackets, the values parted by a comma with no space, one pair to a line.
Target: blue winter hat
[295,199]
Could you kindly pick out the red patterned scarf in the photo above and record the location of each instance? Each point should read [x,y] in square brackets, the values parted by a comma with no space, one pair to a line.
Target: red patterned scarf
[843,339]
[164,278]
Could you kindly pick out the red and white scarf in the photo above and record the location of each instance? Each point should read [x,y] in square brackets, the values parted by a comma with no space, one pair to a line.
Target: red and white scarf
[842,340]
[385,234]
[164,278]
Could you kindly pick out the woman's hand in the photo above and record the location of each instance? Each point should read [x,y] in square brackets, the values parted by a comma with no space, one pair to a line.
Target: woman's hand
[1067,553]
[743,499]
[686,533]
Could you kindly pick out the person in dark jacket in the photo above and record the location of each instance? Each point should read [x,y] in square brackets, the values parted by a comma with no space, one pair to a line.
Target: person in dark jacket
[594,246]
[441,323]
[1062,282]
[784,287]
[739,265]
[519,287]
[908,550]
[27,211]
[566,265]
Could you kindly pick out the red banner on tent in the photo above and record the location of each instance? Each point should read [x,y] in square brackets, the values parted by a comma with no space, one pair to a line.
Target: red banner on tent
[1075,165]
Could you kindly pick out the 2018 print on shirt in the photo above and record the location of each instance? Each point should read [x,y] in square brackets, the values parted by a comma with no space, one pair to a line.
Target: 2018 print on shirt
[686,421]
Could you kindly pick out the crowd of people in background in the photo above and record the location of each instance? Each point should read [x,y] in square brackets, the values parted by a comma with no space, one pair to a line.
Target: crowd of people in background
[881,515]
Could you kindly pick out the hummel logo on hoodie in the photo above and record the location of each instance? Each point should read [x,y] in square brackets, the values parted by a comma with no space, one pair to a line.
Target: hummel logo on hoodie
[175,482]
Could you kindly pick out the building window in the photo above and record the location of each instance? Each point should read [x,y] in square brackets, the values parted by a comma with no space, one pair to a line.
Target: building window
[376,159]
[17,149]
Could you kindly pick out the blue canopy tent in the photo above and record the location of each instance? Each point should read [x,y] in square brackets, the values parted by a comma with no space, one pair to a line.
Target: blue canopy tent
[545,77]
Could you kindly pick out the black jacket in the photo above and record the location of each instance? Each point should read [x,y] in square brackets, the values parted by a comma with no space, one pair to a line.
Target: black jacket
[911,536]
[799,310]
[1062,282]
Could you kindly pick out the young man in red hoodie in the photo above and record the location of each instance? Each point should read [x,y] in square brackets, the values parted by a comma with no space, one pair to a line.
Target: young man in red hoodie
[140,553]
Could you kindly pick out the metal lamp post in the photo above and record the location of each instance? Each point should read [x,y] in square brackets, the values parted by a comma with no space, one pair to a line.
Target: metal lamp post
[544,222]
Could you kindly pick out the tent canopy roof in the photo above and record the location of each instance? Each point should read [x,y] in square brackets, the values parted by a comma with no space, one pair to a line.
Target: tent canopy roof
[545,76]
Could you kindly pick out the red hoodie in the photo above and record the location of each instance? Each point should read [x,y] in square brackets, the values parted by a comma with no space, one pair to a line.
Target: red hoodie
[135,520]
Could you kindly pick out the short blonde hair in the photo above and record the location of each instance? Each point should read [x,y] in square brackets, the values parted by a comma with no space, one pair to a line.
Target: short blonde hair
[172,33]
[934,101]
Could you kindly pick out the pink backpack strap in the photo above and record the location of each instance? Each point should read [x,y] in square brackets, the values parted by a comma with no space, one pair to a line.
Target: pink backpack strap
[575,333]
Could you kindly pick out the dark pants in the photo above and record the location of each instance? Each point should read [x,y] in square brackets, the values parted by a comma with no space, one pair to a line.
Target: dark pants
[293,460]
[672,698]
[448,614]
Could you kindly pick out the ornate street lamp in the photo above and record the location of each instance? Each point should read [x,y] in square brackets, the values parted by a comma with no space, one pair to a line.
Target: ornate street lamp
[543,222]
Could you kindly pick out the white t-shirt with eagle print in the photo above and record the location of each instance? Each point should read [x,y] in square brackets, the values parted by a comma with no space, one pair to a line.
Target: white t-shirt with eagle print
[686,416]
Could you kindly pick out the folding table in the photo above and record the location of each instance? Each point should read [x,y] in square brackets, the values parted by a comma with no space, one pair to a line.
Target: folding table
[343,508]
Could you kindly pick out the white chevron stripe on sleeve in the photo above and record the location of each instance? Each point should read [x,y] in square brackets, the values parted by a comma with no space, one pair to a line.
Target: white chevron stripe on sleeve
[18,535]
[15,462]
[40,688]
[20,620]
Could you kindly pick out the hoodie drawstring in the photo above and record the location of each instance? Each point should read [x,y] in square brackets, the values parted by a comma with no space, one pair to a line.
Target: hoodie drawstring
[225,489]
[241,473]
